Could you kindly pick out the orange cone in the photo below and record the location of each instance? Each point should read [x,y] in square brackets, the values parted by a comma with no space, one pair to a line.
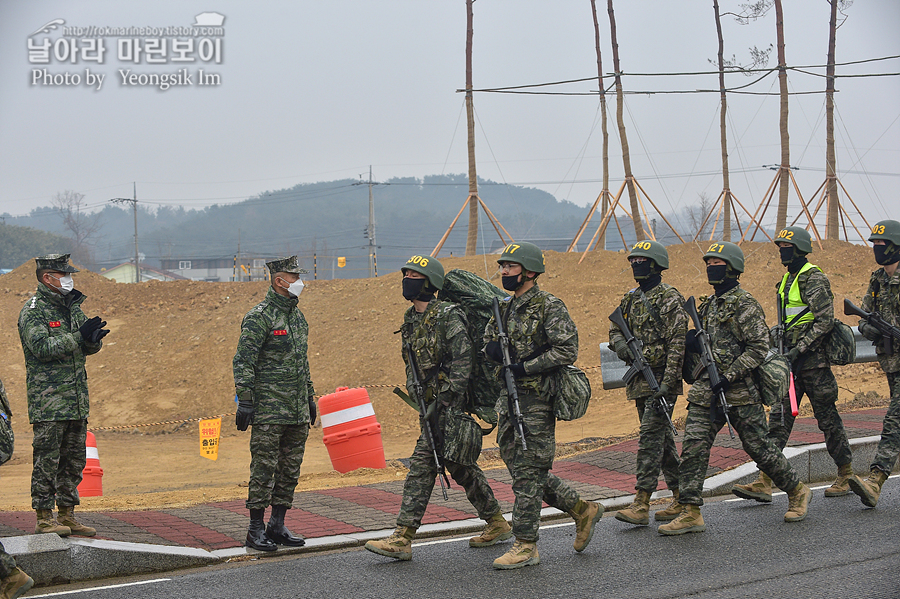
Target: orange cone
[92,475]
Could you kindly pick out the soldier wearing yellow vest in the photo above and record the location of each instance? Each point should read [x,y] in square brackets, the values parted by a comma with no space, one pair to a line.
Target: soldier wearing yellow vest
[805,293]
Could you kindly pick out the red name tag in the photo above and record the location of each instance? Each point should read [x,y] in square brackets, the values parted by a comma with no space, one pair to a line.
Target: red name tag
[275,332]
[54,324]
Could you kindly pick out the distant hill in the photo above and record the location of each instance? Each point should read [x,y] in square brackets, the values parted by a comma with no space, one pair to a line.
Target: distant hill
[20,244]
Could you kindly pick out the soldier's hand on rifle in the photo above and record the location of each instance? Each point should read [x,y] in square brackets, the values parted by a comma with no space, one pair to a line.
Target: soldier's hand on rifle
[517,370]
[492,350]
[244,416]
[793,355]
[621,349]
[663,391]
[723,385]
[869,332]
[690,342]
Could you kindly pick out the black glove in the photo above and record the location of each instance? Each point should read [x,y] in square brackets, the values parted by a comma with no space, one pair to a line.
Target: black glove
[89,326]
[99,334]
[517,370]
[492,350]
[244,416]
[621,349]
[792,355]
[869,332]
[690,341]
[663,391]
[313,413]
[723,385]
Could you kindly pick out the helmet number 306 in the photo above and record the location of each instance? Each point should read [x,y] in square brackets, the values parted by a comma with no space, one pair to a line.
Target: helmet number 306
[420,260]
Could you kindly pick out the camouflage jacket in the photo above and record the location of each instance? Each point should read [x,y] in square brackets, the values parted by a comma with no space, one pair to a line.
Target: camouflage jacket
[809,336]
[739,338]
[271,361]
[541,334]
[661,327]
[55,355]
[883,296]
[440,341]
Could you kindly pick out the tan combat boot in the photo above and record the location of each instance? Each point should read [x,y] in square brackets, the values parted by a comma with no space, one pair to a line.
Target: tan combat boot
[841,485]
[639,510]
[798,503]
[46,523]
[690,520]
[497,529]
[760,489]
[521,554]
[586,515]
[67,518]
[397,546]
[868,489]
[15,584]
[672,511]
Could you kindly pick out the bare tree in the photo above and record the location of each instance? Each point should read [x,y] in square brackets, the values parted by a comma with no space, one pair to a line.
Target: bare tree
[831,225]
[605,201]
[82,227]
[696,214]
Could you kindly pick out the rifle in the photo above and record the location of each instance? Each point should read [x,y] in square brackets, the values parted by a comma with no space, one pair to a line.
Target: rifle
[890,333]
[706,358]
[639,364]
[419,391]
[511,392]
[782,329]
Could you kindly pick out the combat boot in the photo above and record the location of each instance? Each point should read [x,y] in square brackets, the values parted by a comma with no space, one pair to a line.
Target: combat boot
[672,511]
[639,510]
[841,485]
[397,546]
[497,529]
[278,532]
[760,489]
[256,532]
[46,523]
[868,489]
[798,503]
[15,584]
[586,515]
[690,520]
[521,554]
[67,518]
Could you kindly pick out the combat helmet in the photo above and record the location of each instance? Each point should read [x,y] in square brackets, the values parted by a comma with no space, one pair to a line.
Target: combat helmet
[653,250]
[727,251]
[889,231]
[527,254]
[428,266]
[797,237]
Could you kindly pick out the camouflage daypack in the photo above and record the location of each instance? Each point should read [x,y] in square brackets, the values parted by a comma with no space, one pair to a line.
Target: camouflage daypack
[7,440]
[476,296]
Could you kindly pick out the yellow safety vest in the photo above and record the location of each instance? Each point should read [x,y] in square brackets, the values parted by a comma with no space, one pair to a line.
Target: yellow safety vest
[795,305]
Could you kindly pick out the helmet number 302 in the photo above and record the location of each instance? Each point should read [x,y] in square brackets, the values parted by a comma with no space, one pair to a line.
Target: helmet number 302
[785,234]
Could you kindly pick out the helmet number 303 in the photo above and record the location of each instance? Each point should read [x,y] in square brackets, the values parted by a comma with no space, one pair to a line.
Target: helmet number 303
[878,230]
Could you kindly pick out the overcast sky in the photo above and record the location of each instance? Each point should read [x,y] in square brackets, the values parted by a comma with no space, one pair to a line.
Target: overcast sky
[313,91]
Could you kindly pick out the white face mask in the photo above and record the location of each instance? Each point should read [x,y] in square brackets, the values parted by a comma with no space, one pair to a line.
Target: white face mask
[294,289]
[66,284]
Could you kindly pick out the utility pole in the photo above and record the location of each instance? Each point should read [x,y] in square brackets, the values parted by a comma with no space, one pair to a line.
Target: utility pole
[133,202]
[370,229]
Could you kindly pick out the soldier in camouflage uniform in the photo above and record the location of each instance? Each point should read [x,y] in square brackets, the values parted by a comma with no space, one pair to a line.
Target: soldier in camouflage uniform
[436,333]
[654,311]
[805,294]
[739,339]
[883,296]
[56,336]
[542,338]
[275,394]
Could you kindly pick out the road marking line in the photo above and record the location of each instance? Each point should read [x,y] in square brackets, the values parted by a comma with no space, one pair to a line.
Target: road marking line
[109,586]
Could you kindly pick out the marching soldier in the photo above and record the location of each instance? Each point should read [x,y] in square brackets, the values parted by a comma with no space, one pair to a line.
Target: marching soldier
[805,294]
[739,340]
[542,337]
[883,296]
[655,314]
[435,332]
[275,394]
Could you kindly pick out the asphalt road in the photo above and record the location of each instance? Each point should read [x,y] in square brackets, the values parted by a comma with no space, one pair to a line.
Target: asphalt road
[841,550]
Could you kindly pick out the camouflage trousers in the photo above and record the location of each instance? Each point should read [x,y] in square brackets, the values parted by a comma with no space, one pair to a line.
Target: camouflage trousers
[59,458]
[700,433]
[420,483]
[889,446]
[276,452]
[7,563]
[656,448]
[530,469]
[821,387]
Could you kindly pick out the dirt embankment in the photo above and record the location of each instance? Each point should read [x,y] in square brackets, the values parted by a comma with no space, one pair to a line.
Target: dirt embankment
[168,358]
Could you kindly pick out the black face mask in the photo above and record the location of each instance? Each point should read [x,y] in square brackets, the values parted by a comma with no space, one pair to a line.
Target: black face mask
[787,254]
[641,270]
[511,282]
[886,254]
[716,274]
[412,288]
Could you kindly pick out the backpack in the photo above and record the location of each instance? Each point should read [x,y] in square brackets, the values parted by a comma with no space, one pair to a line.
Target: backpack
[476,297]
[7,440]
[772,378]
[570,392]
[840,344]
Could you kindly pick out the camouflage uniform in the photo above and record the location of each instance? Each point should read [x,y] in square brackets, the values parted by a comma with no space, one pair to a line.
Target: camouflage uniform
[271,363]
[7,563]
[739,338]
[444,356]
[812,371]
[534,321]
[57,393]
[660,323]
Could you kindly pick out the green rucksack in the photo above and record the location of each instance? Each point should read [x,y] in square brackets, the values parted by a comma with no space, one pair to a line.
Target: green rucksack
[476,297]
[7,439]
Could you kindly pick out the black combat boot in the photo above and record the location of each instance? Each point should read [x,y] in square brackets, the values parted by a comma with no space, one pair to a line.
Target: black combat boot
[278,532]
[256,533]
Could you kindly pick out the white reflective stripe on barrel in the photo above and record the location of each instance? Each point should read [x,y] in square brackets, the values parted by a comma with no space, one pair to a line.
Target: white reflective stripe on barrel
[92,453]
[347,415]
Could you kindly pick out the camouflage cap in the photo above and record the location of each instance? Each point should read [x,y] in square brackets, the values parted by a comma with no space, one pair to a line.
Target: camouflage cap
[57,262]
[286,265]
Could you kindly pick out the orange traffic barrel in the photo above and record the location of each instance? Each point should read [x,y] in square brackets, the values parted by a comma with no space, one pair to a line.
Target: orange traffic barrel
[92,475]
[350,431]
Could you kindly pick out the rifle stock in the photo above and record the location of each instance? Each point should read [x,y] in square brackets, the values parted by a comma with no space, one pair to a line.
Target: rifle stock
[511,391]
[707,360]
[419,391]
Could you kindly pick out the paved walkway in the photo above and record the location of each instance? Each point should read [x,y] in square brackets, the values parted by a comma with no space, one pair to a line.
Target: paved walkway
[600,474]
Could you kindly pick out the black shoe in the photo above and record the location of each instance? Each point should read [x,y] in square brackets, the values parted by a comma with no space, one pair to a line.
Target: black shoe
[278,532]
[256,533]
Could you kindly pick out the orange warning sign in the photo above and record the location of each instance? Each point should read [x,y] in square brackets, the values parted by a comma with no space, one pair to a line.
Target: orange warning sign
[209,438]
